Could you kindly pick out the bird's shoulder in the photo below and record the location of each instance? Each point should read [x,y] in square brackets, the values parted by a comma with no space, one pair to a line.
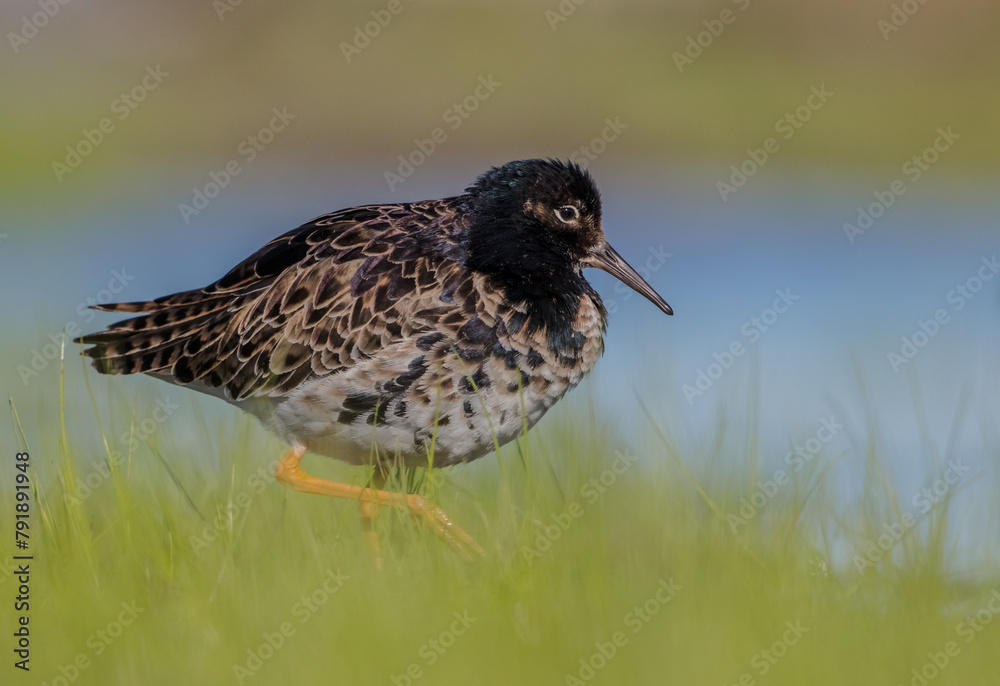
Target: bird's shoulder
[335,292]
[356,237]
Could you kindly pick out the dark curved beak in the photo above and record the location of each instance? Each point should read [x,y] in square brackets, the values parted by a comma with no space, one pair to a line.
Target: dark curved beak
[607,258]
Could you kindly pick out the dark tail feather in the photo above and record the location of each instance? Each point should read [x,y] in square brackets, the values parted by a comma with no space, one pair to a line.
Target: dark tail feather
[198,296]
[156,341]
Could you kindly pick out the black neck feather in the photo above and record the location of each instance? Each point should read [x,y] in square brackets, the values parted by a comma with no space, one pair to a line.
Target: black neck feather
[532,268]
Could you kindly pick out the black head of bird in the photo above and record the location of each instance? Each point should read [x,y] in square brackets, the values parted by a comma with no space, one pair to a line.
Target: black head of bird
[535,224]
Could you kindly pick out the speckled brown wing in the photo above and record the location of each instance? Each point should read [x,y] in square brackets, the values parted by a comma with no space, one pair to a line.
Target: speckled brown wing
[310,303]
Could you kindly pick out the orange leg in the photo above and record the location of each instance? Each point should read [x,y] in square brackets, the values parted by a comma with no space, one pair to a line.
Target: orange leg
[369,512]
[291,474]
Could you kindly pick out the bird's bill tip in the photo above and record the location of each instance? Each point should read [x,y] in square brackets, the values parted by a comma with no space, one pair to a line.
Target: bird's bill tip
[606,258]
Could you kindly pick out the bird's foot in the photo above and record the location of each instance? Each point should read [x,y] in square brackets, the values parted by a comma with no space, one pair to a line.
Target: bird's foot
[441,524]
[290,473]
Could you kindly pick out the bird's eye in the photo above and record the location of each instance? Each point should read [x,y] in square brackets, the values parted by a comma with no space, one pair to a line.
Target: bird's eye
[567,214]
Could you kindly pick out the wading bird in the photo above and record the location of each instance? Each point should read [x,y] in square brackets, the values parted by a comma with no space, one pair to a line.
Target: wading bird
[396,333]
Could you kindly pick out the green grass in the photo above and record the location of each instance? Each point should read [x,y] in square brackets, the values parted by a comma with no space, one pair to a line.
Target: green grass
[213,557]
